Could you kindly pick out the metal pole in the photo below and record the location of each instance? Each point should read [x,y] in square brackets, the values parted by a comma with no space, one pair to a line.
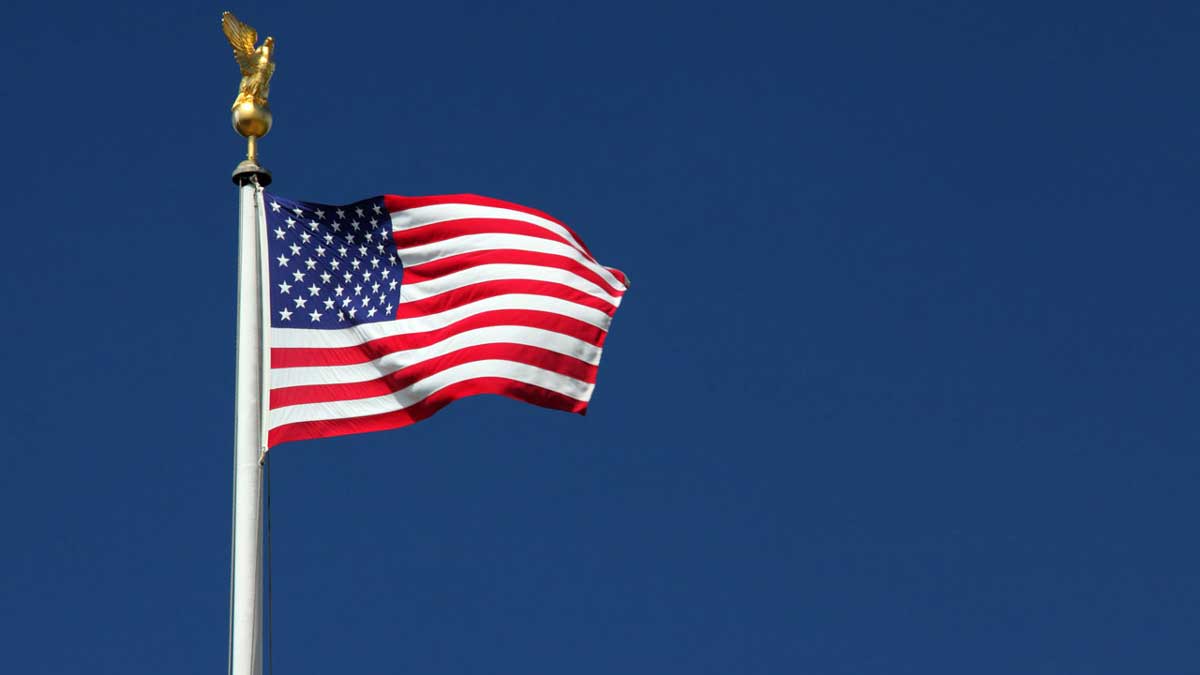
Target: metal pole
[245,645]
[251,118]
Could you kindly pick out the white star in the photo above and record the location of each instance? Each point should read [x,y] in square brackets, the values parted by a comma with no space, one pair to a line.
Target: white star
[385,273]
[285,287]
[366,300]
[314,289]
[375,263]
[335,263]
[341,213]
[315,315]
[343,250]
[320,213]
[285,315]
[328,303]
[313,225]
[375,287]
[354,225]
[295,249]
[371,312]
[349,238]
[274,206]
[346,301]
[298,275]
[321,251]
[355,263]
[279,233]
[290,223]
[389,308]
[353,311]
[310,263]
[362,250]
[366,274]
[377,209]
[392,285]
[304,236]
[338,290]
[359,211]
[328,238]
[347,277]
[341,316]
[300,301]
[283,261]
[297,211]
[337,227]
[379,247]
[358,290]
[325,277]
[382,299]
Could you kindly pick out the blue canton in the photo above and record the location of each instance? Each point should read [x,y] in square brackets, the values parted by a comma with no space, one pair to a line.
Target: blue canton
[331,266]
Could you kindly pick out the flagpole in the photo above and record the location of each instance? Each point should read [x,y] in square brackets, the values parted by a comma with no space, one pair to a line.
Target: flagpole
[245,648]
[251,119]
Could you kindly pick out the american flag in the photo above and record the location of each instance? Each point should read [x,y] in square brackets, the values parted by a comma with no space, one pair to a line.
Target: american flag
[385,310]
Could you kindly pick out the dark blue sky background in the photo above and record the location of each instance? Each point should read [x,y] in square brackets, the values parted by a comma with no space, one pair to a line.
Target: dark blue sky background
[906,381]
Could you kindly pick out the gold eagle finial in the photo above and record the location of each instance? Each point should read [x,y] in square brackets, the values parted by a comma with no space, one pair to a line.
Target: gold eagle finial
[255,63]
[251,116]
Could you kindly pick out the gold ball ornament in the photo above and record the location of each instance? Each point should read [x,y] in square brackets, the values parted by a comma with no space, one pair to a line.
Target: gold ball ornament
[251,119]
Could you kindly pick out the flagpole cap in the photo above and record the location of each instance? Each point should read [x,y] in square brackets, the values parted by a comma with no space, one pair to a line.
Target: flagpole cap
[251,118]
[249,169]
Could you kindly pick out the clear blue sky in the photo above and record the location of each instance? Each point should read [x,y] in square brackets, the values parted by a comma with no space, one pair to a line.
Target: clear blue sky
[906,381]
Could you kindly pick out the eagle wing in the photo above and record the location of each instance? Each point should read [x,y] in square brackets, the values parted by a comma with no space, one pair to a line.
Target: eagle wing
[242,38]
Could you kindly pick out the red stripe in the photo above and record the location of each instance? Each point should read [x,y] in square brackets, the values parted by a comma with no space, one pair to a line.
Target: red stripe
[490,289]
[434,269]
[398,203]
[435,402]
[409,375]
[449,229]
[394,203]
[619,275]
[291,357]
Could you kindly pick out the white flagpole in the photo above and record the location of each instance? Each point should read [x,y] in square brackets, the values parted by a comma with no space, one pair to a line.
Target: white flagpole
[252,120]
[245,631]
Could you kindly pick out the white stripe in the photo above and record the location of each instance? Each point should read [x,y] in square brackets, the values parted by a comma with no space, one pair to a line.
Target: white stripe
[511,370]
[421,216]
[492,241]
[386,365]
[502,272]
[356,335]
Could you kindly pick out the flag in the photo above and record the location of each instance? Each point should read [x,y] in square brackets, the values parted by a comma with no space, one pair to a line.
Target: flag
[385,310]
